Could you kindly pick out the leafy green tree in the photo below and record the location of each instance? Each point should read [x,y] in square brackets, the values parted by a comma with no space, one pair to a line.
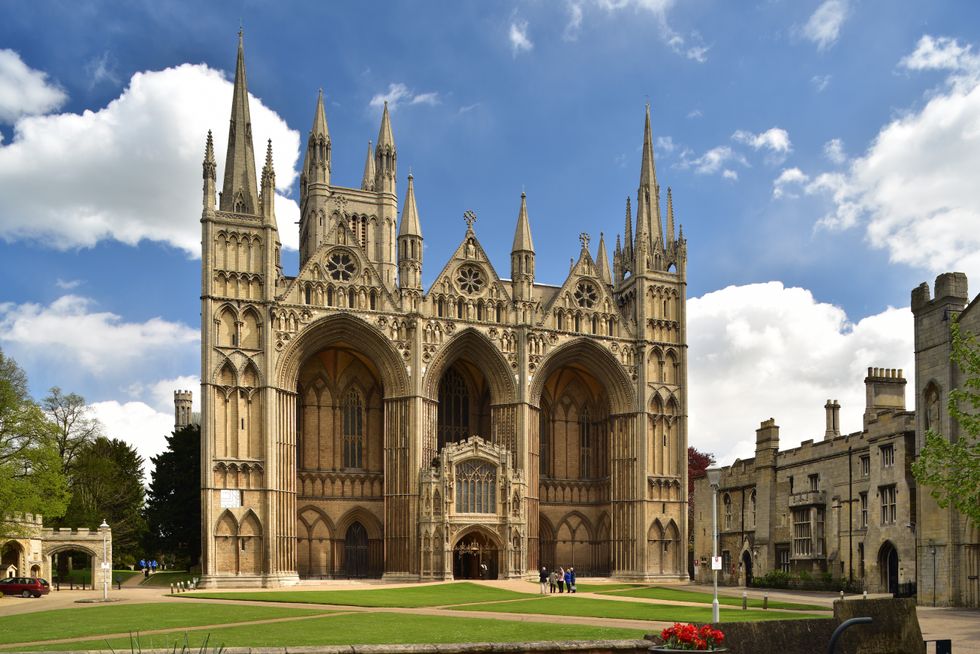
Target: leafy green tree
[31,478]
[173,507]
[107,484]
[951,470]
[75,426]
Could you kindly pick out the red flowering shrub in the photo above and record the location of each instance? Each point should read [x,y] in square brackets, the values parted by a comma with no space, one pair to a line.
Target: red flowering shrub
[688,636]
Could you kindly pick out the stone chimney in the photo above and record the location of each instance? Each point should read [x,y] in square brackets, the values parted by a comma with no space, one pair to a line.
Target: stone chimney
[884,391]
[833,419]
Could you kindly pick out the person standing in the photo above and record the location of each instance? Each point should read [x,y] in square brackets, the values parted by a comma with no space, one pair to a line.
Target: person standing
[553,581]
[561,579]
[571,574]
[568,580]
[543,579]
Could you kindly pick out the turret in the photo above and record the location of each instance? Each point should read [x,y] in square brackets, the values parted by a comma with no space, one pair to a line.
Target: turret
[268,196]
[238,194]
[522,256]
[314,185]
[410,249]
[210,173]
[316,165]
[628,239]
[385,156]
[367,182]
[603,260]
[183,401]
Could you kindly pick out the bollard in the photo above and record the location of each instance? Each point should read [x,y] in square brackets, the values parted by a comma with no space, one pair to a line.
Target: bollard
[745,600]
[842,596]
[865,594]
[765,602]
[171,588]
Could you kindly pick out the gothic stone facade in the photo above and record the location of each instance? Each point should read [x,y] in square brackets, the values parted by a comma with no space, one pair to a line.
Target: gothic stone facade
[356,424]
[31,550]
[948,543]
[843,506]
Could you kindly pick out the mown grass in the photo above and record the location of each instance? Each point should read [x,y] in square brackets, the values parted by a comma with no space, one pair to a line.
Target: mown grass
[598,608]
[164,579]
[360,628]
[122,618]
[407,597]
[679,595]
[84,575]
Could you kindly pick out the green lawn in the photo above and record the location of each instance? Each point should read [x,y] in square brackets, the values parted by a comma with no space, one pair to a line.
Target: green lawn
[409,596]
[122,618]
[373,628]
[680,595]
[597,608]
[78,576]
[164,579]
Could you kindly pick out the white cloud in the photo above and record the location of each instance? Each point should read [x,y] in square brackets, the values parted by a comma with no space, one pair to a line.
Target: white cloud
[790,177]
[691,47]
[138,424]
[666,144]
[67,284]
[914,189]
[398,94]
[764,350]
[519,40]
[824,25]
[132,170]
[774,139]
[574,25]
[712,161]
[70,332]
[834,151]
[820,82]
[101,69]
[728,173]
[25,91]
[695,113]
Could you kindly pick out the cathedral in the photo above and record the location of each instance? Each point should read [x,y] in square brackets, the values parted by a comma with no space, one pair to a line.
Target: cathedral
[358,424]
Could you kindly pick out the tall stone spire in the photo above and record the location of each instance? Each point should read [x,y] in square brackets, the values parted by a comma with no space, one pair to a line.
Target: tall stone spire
[239,191]
[670,217]
[410,214]
[603,260]
[367,182]
[316,164]
[522,256]
[648,195]
[385,156]
[628,238]
[410,252]
[268,196]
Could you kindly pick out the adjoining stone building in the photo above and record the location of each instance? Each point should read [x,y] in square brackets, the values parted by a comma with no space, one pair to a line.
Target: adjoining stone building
[357,424]
[948,543]
[848,505]
[32,550]
[843,506]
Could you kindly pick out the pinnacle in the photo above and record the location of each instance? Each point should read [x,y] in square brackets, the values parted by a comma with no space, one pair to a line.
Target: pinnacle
[410,214]
[522,234]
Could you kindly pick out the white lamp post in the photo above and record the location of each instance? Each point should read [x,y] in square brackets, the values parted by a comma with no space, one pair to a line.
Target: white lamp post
[104,528]
[714,476]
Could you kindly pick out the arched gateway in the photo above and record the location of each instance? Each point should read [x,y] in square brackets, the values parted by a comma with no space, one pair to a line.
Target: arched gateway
[356,424]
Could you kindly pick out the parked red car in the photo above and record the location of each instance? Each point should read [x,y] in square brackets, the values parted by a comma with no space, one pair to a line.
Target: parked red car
[24,586]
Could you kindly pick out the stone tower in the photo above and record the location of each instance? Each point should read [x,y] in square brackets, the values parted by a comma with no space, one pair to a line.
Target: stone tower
[182,408]
[356,423]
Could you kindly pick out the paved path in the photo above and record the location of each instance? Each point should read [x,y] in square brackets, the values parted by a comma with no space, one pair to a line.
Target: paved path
[962,625]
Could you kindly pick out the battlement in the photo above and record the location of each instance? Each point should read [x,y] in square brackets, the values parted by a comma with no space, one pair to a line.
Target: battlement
[24,518]
[885,374]
[185,396]
[951,288]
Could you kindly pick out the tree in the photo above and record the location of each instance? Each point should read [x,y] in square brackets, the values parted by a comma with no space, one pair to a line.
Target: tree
[107,484]
[951,469]
[75,427]
[31,478]
[173,507]
[697,463]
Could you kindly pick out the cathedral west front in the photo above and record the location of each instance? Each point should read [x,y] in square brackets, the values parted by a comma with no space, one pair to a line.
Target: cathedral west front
[356,423]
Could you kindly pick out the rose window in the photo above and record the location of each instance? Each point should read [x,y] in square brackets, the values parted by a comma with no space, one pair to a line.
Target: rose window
[341,266]
[586,295]
[470,280]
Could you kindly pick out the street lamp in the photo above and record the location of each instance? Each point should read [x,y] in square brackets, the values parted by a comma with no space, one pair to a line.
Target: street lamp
[104,528]
[714,476]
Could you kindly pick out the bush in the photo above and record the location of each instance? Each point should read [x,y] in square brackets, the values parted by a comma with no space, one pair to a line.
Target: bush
[806,581]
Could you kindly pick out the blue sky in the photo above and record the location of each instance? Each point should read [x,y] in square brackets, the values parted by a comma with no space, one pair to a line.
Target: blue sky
[821,156]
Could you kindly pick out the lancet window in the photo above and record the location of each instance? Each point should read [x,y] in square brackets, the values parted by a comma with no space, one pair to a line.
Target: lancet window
[353,430]
[454,408]
[585,428]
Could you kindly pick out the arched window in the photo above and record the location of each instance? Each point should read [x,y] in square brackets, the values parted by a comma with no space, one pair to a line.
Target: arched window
[728,511]
[459,309]
[374,300]
[476,487]
[544,436]
[752,506]
[353,430]
[454,408]
[585,444]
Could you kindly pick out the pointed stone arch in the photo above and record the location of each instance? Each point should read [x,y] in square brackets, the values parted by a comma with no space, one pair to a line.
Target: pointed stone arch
[475,347]
[599,362]
[251,329]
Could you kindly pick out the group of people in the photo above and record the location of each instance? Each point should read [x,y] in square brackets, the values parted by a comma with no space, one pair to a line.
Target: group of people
[562,579]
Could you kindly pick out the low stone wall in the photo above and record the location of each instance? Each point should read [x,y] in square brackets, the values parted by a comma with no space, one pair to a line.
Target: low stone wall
[538,647]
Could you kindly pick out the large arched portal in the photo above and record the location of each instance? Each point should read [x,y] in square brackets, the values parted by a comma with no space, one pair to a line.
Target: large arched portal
[476,555]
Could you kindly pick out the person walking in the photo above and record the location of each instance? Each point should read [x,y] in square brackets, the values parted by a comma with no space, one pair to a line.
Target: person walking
[561,579]
[571,573]
[553,581]
[543,579]
[568,580]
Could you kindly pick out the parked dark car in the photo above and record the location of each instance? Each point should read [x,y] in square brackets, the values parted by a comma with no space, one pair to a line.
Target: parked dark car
[24,586]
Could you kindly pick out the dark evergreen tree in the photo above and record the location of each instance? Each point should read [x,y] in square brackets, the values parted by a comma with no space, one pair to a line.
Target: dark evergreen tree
[173,508]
